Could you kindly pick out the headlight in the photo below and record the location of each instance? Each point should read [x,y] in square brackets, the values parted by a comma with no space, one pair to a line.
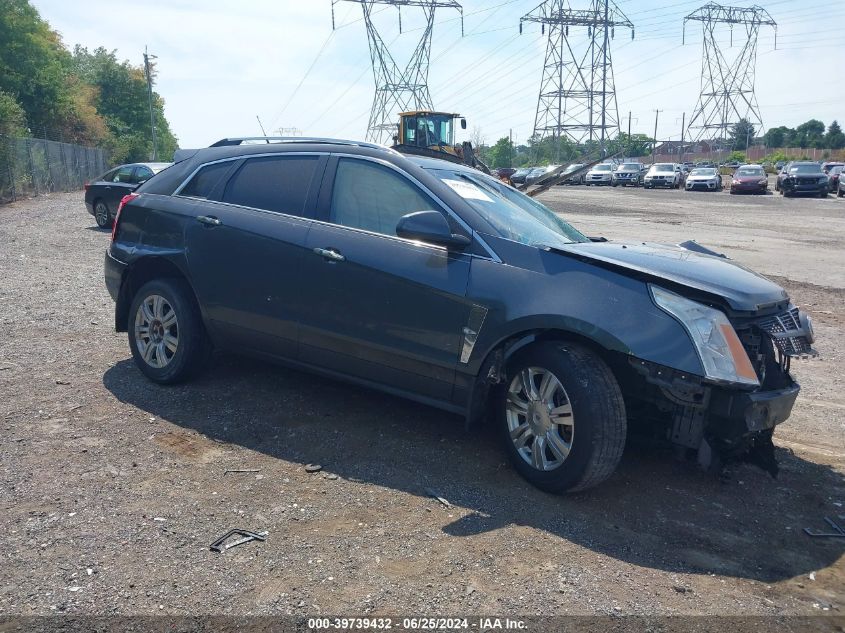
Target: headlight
[823,181]
[764,181]
[718,346]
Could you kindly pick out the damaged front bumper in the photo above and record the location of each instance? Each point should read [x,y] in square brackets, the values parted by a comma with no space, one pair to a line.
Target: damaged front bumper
[720,423]
[723,422]
[734,415]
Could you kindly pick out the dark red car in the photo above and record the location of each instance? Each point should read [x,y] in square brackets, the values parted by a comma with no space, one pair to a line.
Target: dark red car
[833,176]
[750,179]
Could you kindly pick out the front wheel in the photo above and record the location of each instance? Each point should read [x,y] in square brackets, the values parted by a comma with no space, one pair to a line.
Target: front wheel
[166,334]
[561,417]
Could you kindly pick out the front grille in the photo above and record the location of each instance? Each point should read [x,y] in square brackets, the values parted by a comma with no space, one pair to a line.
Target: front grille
[807,181]
[783,324]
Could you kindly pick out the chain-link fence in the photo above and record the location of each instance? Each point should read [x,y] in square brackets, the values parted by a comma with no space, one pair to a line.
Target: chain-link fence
[32,166]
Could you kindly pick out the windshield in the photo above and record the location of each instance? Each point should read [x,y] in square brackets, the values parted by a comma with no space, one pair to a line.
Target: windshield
[628,167]
[425,130]
[663,167]
[573,167]
[703,172]
[804,169]
[513,216]
[750,171]
[603,167]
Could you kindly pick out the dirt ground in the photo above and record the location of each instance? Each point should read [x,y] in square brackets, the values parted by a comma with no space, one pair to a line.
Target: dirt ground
[112,488]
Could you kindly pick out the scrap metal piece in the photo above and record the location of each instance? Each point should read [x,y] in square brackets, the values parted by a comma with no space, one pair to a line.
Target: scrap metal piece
[839,531]
[431,493]
[219,547]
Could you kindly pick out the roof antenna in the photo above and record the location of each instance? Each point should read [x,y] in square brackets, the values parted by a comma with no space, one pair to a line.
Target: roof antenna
[263,133]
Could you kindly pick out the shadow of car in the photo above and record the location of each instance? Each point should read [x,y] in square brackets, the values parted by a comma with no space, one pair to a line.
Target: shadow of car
[654,512]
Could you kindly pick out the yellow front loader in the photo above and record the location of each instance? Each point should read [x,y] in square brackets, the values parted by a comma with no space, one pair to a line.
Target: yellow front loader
[432,134]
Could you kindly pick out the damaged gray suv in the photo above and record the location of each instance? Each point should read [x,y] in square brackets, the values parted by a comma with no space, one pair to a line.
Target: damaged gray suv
[435,282]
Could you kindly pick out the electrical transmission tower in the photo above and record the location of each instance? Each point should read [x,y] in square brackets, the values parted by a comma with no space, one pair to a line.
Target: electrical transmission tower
[727,87]
[577,95]
[399,90]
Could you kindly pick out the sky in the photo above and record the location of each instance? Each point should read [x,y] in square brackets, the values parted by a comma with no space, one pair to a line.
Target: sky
[221,64]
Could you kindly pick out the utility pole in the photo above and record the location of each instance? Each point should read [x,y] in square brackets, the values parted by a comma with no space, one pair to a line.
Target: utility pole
[577,97]
[654,145]
[147,58]
[682,151]
[399,90]
[510,148]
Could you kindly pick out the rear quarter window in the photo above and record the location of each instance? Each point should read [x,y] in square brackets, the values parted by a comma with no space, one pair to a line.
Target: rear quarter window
[275,183]
[205,180]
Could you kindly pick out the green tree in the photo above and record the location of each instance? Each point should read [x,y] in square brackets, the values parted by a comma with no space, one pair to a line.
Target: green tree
[810,134]
[778,136]
[502,153]
[834,139]
[36,70]
[123,102]
[12,116]
[741,134]
[632,146]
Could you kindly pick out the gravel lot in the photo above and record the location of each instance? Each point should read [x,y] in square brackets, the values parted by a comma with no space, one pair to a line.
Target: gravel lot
[112,488]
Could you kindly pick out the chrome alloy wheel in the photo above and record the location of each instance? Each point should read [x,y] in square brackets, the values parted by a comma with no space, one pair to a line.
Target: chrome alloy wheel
[539,417]
[156,331]
[101,214]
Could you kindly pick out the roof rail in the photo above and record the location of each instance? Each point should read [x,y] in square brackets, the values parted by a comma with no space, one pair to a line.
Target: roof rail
[226,142]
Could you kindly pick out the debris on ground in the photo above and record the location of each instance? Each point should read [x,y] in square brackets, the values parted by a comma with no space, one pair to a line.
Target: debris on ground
[431,493]
[838,530]
[241,470]
[220,544]
[313,468]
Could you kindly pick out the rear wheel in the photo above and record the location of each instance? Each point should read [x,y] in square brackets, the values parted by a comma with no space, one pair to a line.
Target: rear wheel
[101,214]
[561,417]
[840,193]
[166,334]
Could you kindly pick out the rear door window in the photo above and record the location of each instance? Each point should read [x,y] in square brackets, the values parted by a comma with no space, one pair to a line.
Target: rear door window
[124,174]
[142,174]
[273,183]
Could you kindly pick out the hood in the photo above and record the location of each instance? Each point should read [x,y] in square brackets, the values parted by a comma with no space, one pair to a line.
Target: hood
[743,289]
[700,177]
[749,178]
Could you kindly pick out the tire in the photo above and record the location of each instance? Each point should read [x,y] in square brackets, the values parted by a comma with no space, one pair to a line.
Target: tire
[822,194]
[585,394]
[162,363]
[840,193]
[102,215]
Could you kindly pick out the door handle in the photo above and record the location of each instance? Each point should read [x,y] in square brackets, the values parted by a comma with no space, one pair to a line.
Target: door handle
[330,254]
[208,220]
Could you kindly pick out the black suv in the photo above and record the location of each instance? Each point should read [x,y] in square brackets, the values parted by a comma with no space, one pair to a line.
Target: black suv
[433,281]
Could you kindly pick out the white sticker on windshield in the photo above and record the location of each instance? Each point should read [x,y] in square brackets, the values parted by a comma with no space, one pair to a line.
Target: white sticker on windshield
[467,190]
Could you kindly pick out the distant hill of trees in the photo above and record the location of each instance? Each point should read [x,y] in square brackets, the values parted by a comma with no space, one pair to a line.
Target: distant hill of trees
[80,96]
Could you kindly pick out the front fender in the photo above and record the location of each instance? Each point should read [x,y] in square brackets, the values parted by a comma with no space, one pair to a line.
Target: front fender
[548,291]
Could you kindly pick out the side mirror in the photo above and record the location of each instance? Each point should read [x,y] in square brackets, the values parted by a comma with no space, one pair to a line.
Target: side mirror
[430,227]
[463,124]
